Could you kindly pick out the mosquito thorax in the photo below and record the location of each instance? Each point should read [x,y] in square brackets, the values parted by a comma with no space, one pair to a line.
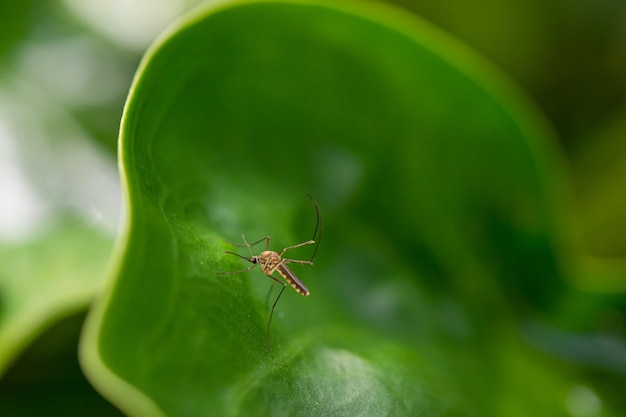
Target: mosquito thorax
[269,254]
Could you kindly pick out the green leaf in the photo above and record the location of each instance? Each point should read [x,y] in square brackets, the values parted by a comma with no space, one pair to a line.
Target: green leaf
[443,216]
[53,276]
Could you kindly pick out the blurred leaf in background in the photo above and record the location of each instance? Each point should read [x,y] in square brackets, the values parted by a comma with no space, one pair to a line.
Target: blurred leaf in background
[571,58]
[62,87]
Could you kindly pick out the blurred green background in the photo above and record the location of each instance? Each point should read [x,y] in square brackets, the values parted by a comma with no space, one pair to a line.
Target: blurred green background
[65,70]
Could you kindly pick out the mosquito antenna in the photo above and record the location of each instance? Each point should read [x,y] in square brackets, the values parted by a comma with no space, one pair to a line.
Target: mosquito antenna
[241,256]
[318,226]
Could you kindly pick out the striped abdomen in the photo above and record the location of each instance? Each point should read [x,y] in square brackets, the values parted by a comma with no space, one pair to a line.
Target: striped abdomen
[292,279]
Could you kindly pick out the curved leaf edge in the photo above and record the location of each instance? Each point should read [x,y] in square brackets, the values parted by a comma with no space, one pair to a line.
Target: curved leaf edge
[65,285]
[21,333]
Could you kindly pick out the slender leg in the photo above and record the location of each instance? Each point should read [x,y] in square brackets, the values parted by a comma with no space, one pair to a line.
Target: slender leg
[308,242]
[269,322]
[318,226]
[296,261]
[250,245]
[239,271]
[246,244]
[269,293]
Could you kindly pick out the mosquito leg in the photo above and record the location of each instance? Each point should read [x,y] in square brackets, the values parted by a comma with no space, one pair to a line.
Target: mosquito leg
[250,245]
[269,322]
[246,244]
[266,239]
[269,292]
[318,226]
[308,242]
[296,261]
[239,271]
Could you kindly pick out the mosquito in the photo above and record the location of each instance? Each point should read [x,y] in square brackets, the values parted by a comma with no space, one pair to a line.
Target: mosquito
[272,261]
